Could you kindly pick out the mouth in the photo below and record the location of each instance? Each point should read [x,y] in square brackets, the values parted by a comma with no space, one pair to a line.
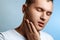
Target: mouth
[41,24]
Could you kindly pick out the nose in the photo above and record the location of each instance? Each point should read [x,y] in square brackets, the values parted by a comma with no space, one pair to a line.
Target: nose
[42,17]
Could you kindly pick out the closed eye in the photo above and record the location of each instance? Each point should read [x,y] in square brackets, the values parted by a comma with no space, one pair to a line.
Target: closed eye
[48,13]
[39,9]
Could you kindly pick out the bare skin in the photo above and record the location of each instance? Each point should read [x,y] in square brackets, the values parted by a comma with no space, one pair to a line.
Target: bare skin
[35,18]
[31,32]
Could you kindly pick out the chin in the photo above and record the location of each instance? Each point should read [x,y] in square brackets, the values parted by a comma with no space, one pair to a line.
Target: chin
[39,28]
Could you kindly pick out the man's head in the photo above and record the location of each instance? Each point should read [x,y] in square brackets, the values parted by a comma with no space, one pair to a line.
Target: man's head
[38,12]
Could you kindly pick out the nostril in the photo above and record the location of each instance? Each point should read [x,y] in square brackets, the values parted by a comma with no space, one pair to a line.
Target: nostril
[42,18]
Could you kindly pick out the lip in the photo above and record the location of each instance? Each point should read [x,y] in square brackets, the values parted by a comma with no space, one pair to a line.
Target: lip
[41,24]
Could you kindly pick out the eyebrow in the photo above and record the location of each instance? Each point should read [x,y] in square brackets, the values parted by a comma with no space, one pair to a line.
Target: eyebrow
[49,0]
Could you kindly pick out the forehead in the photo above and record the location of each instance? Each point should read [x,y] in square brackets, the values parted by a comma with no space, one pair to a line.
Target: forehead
[46,5]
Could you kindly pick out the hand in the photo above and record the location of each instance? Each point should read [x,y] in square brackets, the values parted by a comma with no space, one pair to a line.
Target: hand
[30,31]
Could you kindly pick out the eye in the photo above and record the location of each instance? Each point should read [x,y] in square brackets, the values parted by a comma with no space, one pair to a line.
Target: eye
[39,9]
[48,13]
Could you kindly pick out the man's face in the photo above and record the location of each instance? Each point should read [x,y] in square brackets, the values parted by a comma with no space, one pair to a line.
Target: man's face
[39,13]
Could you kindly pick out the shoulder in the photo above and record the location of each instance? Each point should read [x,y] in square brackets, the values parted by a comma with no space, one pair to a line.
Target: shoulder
[46,36]
[1,36]
[12,35]
[5,35]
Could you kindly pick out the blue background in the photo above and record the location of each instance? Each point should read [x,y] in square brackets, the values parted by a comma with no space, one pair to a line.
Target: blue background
[11,17]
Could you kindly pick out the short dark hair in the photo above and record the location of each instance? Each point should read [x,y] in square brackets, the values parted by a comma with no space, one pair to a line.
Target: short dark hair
[28,2]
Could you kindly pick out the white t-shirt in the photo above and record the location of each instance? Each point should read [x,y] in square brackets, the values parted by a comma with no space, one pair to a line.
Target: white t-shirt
[14,35]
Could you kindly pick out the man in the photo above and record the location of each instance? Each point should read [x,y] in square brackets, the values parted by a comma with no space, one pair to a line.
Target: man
[36,16]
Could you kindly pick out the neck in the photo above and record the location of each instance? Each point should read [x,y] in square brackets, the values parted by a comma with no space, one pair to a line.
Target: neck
[20,29]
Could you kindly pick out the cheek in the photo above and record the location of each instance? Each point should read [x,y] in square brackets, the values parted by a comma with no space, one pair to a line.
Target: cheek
[47,19]
[33,15]
[34,18]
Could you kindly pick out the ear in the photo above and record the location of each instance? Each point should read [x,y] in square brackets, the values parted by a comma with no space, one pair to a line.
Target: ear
[24,8]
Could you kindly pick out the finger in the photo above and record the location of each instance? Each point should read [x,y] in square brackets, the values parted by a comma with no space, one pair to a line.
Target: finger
[28,25]
[33,27]
[26,29]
